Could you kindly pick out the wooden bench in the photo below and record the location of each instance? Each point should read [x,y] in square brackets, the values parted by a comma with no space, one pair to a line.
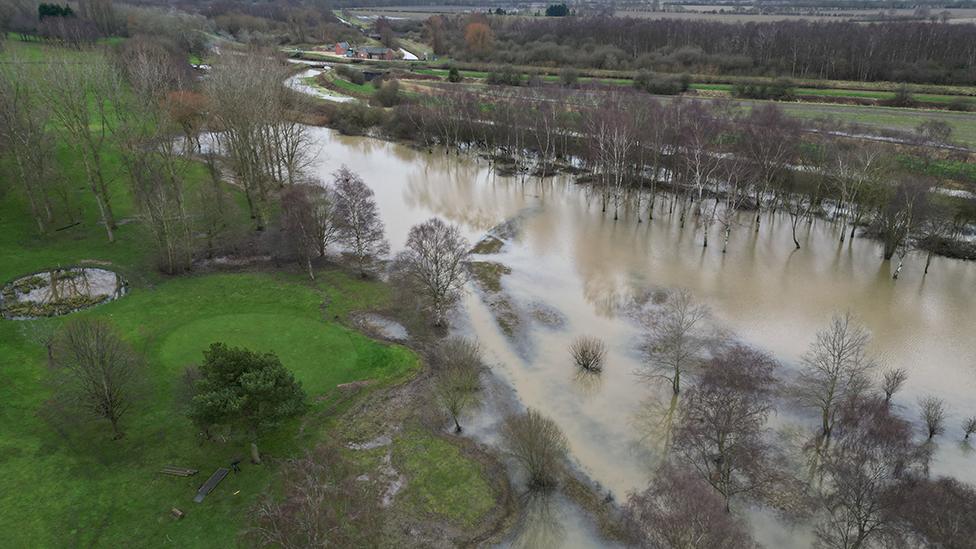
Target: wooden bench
[178,471]
[211,483]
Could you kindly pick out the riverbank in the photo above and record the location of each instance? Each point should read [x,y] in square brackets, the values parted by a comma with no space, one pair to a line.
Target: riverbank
[65,482]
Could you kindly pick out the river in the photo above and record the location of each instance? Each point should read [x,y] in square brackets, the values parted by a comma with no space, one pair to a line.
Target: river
[588,274]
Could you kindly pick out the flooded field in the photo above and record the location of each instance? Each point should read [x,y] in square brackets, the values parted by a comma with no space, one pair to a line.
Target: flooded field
[571,270]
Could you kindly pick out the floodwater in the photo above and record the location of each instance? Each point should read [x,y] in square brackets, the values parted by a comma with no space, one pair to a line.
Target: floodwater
[591,272]
[297,83]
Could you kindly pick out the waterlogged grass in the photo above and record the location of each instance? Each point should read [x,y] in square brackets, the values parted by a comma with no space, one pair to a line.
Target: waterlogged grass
[441,481]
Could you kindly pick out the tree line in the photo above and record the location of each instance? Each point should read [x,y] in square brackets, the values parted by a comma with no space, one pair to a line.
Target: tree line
[919,52]
[701,162]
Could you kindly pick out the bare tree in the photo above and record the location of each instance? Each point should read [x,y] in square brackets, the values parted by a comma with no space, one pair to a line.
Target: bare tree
[611,136]
[25,133]
[323,505]
[675,340]
[933,414]
[835,369]
[588,352]
[722,421]
[434,258]
[853,172]
[679,510]
[144,72]
[97,371]
[865,472]
[892,381]
[770,140]
[538,444]
[266,147]
[940,512]
[358,220]
[458,368]
[969,427]
[79,102]
[900,213]
[308,222]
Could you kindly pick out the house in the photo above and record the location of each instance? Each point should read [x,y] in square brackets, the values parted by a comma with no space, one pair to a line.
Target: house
[341,48]
[374,52]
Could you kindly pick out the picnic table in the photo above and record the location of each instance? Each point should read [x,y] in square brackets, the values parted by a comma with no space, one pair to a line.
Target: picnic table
[178,471]
[211,483]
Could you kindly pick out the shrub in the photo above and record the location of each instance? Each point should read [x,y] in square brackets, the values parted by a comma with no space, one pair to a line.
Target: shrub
[507,76]
[903,98]
[388,93]
[569,77]
[588,352]
[538,444]
[351,74]
[660,84]
[780,89]
[454,75]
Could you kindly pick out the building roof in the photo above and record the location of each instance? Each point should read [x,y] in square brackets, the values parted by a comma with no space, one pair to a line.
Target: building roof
[343,45]
[375,50]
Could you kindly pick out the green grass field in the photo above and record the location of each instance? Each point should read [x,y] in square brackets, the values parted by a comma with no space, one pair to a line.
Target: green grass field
[803,92]
[69,484]
[366,89]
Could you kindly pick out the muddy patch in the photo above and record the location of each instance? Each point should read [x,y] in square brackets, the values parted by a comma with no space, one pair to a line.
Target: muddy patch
[488,245]
[488,274]
[59,292]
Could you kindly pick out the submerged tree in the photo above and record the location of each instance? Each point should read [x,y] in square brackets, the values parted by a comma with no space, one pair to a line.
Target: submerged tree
[358,219]
[97,372]
[241,388]
[538,444]
[835,369]
[675,340]
[679,510]
[588,353]
[932,410]
[892,381]
[722,421]
[969,427]
[866,469]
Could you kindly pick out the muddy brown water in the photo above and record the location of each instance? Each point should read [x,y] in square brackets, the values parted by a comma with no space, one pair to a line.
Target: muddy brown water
[568,257]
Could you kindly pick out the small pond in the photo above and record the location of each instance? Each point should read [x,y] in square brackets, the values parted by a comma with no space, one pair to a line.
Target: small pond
[59,292]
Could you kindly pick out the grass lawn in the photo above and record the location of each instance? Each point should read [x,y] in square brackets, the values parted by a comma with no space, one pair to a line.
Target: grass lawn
[71,485]
[444,482]
[84,489]
[355,89]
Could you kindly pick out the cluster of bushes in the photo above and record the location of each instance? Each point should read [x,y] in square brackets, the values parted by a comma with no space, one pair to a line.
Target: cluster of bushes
[387,92]
[506,76]
[356,118]
[660,84]
[780,89]
[351,74]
